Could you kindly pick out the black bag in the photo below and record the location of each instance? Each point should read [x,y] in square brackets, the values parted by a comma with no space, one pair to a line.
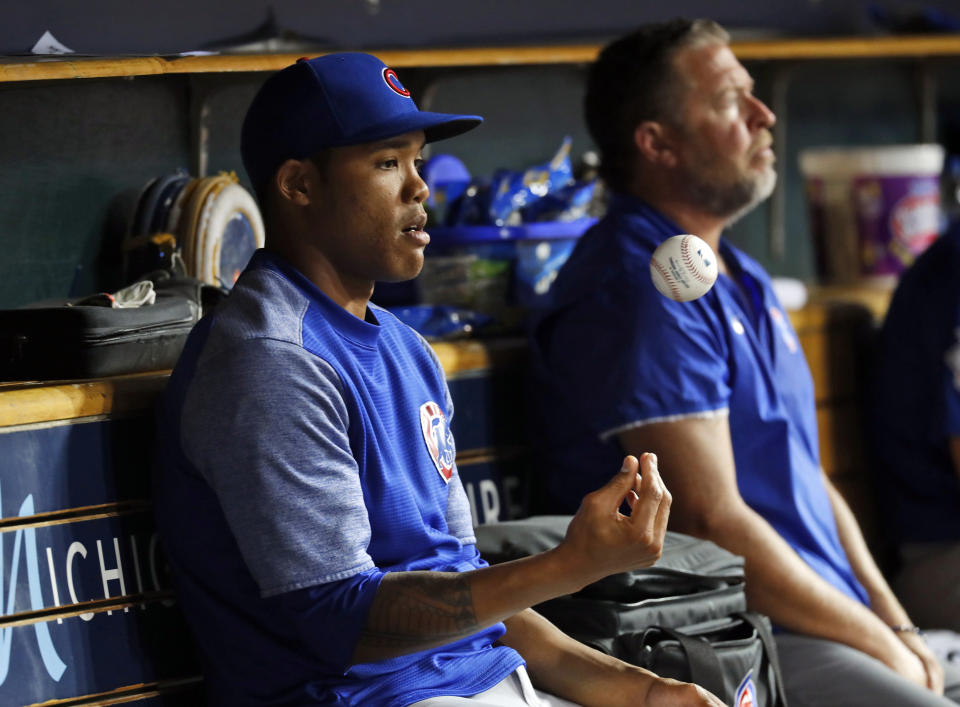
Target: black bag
[69,339]
[683,618]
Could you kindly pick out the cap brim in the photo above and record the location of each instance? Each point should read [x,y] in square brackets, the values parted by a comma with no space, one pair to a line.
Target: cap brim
[450,125]
[436,126]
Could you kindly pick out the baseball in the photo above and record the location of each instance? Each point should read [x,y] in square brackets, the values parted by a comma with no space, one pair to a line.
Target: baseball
[683,268]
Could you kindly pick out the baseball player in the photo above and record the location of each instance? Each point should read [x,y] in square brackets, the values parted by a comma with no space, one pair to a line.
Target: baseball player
[718,388]
[306,490]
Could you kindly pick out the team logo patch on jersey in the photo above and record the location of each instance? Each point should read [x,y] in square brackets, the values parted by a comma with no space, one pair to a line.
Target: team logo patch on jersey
[746,693]
[393,81]
[781,322]
[439,439]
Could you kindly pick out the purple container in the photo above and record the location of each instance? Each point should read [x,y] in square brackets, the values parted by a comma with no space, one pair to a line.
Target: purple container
[872,210]
[897,218]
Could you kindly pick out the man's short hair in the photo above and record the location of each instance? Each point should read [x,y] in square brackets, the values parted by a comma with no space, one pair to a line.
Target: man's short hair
[633,80]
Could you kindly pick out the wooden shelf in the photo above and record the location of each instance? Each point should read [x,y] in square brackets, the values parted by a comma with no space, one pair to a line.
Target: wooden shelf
[14,69]
[32,403]
[471,356]
[82,68]
[850,47]
[874,297]
[43,402]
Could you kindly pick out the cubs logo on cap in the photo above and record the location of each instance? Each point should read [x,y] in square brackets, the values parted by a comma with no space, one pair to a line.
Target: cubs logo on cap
[393,81]
[439,439]
[746,693]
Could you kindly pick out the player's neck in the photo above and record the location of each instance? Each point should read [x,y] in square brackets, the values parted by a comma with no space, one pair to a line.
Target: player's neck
[691,220]
[350,293]
[660,190]
[353,294]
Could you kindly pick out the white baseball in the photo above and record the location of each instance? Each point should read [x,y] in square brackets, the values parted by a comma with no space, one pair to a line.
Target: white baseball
[683,268]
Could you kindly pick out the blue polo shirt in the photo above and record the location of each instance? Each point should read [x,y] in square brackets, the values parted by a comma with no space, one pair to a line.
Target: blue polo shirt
[917,397]
[611,353]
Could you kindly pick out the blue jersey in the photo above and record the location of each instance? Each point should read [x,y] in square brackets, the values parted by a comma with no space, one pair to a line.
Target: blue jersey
[917,397]
[611,353]
[303,453]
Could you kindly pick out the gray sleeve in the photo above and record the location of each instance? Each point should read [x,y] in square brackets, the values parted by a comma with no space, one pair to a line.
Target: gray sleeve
[266,426]
[459,516]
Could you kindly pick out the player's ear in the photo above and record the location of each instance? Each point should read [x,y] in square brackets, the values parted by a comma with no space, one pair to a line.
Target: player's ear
[653,141]
[292,181]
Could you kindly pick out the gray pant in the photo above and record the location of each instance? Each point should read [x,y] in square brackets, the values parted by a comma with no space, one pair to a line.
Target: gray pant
[821,673]
[816,673]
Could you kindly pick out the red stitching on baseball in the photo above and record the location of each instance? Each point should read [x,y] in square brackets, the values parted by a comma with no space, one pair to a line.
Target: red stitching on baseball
[667,279]
[691,263]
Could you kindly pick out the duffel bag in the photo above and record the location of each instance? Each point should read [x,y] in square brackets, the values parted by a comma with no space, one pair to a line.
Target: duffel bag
[92,337]
[685,617]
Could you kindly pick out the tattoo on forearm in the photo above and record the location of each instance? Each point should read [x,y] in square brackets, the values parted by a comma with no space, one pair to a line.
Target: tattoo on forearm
[420,608]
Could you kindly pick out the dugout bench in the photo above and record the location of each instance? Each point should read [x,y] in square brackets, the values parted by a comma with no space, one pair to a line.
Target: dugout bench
[86,612]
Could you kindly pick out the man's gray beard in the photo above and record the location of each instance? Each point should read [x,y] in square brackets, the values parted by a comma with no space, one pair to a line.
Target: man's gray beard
[731,203]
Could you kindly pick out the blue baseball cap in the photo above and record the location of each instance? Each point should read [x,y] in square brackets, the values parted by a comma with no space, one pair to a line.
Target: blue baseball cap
[333,101]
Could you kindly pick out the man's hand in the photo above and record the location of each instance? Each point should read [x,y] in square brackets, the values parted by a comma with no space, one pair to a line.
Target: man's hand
[601,540]
[900,657]
[670,693]
[932,667]
[413,611]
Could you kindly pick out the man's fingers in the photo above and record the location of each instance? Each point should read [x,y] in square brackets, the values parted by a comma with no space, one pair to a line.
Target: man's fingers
[652,492]
[663,514]
[615,491]
[932,667]
[663,510]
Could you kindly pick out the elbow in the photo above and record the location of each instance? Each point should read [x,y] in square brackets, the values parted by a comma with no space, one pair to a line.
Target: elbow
[710,521]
